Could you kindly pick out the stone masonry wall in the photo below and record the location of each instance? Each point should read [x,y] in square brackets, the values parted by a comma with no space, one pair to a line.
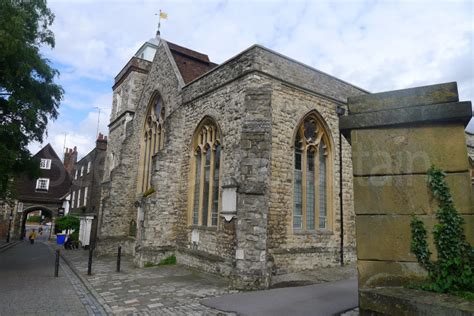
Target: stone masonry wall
[295,251]
[156,227]
[225,106]
[119,187]
[257,100]
[396,137]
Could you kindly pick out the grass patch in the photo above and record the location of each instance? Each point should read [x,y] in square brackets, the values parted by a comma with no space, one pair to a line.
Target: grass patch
[168,261]
[469,296]
[171,260]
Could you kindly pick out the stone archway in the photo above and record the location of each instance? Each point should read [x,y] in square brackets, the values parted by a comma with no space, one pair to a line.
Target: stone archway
[48,213]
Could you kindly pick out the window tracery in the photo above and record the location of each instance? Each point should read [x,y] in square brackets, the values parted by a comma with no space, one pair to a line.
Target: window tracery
[153,140]
[312,174]
[206,169]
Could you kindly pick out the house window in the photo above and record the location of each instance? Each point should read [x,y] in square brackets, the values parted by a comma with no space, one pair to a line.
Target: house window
[312,176]
[82,171]
[73,198]
[45,164]
[75,176]
[78,198]
[152,141]
[42,184]
[206,174]
[85,196]
[88,167]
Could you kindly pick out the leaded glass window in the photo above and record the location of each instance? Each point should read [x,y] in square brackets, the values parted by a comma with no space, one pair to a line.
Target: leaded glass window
[206,174]
[153,138]
[311,184]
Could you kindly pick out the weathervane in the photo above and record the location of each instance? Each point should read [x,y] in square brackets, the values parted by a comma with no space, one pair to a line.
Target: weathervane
[161,15]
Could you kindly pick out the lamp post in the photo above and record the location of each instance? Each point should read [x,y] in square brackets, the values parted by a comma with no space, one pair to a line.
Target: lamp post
[10,217]
[340,111]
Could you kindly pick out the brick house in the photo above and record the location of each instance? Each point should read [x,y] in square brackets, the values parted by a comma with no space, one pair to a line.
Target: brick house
[87,174]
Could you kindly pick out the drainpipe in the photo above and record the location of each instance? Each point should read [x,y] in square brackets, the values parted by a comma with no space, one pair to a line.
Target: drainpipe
[340,111]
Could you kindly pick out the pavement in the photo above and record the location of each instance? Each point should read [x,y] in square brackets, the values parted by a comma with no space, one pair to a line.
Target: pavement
[317,299]
[27,287]
[158,290]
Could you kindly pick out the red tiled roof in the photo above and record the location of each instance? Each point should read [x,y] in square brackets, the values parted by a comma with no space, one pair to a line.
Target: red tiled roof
[191,64]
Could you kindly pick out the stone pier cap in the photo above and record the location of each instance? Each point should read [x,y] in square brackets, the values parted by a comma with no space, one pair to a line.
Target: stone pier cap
[408,107]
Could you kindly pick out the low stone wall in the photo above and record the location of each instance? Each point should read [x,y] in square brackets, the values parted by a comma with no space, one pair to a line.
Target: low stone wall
[204,261]
[402,301]
[295,260]
[152,255]
[109,245]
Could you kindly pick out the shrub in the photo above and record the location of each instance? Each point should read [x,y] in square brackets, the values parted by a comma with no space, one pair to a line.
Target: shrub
[75,235]
[34,219]
[68,222]
[453,270]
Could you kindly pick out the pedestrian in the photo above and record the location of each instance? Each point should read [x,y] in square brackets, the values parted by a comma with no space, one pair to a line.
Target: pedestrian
[40,230]
[32,237]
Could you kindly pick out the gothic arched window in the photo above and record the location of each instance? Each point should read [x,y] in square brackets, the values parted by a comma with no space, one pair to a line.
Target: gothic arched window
[152,140]
[312,176]
[205,174]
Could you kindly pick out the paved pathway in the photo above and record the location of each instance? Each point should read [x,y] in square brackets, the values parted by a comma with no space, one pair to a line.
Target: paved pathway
[28,285]
[318,299]
[164,290]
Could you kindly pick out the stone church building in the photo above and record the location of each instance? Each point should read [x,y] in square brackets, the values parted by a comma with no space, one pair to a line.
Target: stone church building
[233,168]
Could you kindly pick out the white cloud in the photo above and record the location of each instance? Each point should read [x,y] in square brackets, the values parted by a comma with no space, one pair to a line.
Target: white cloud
[80,133]
[377,45]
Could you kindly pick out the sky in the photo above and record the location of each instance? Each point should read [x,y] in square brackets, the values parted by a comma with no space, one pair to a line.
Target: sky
[375,45]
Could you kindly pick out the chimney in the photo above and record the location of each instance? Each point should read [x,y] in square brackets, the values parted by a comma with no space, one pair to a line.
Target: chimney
[101,142]
[70,158]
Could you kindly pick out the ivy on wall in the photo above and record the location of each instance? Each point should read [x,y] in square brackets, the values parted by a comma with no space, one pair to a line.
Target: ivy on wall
[452,272]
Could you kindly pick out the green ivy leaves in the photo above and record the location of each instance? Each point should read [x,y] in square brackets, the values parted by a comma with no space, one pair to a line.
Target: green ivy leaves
[453,270]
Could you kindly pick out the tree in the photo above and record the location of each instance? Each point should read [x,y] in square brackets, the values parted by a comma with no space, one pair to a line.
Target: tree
[28,95]
[68,222]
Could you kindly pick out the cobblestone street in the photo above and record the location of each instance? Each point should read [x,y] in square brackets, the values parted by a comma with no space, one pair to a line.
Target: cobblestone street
[164,290]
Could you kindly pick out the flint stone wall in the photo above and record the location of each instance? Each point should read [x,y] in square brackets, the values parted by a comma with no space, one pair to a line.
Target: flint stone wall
[257,100]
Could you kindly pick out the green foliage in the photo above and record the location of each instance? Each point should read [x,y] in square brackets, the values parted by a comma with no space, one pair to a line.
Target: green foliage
[34,219]
[75,235]
[28,95]
[168,261]
[67,222]
[148,192]
[453,270]
[164,262]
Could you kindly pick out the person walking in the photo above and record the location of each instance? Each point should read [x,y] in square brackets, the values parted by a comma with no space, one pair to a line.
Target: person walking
[32,237]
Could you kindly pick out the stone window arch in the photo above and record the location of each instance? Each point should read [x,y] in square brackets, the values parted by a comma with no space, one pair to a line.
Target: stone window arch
[152,140]
[205,174]
[313,174]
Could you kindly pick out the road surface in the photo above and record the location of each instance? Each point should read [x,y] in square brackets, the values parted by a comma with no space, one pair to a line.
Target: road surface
[28,285]
[323,299]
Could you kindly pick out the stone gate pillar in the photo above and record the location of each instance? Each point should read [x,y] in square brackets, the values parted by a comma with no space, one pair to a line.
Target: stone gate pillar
[396,136]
